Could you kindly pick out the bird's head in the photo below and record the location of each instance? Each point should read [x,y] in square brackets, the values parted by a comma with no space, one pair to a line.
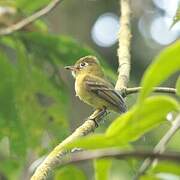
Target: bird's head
[86,65]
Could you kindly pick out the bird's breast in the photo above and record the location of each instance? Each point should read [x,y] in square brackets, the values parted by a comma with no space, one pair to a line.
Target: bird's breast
[82,91]
[80,87]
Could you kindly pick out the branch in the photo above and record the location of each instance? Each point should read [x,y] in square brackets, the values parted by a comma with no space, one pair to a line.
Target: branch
[124,46]
[133,90]
[161,146]
[118,154]
[55,157]
[21,24]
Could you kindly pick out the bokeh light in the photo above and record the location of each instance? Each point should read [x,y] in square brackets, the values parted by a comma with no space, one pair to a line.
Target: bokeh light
[168,6]
[105,30]
[156,25]
[169,117]
[161,31]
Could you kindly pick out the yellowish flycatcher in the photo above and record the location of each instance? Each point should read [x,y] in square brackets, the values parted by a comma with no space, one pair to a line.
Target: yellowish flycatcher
[92,87]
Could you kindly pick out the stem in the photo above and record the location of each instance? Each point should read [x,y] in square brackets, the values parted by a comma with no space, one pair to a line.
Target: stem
[19,25]
[161,146]
[124,46]
[133,90]
[119,154]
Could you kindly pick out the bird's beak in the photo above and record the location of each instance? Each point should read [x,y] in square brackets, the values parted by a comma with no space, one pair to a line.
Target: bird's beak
[71,68]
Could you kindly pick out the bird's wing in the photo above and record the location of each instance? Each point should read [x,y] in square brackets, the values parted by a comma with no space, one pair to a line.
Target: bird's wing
[106,91]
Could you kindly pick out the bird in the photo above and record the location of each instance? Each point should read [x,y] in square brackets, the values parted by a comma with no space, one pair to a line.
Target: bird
[92,87]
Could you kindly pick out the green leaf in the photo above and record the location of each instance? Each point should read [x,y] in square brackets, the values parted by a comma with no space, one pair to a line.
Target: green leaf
[131,125]
[163,66]
[31,6]
[30,103]
[32,108]
[10,168]
[166,167]
[178,86]
[149,177]
[70,172]
[61,50]
[39,100]
[141,119]
[93,141]
[9,119]
[102,168]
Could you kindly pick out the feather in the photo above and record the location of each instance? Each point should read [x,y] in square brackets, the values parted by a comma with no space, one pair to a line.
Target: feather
[106,91]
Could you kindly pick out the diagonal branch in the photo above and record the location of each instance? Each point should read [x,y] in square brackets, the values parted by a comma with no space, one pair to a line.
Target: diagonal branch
[21,24]
[160,147]
[54,158]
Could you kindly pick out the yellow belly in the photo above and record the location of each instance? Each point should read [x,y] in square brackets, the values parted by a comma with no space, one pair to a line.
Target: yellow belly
[87,96]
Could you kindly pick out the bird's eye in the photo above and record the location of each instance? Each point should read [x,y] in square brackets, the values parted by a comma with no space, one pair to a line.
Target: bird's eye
[83,64]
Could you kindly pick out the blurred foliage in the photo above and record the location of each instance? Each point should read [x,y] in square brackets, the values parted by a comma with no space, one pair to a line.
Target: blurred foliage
[69,173]
[102,168]
[167,167]
[24,5]
[34,98]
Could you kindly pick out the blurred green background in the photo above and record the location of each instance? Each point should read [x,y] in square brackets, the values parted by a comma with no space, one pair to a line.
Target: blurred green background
[38,106]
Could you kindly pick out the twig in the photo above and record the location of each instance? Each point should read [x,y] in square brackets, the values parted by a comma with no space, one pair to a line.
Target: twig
[118,154]
[133,90]
[124,46]
[19,25]
[161,146]
[55,156]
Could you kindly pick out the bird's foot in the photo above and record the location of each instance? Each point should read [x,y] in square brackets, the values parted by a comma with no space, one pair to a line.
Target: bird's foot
[95,122]
[98,115]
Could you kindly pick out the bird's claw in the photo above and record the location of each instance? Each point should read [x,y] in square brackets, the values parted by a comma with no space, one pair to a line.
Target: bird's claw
[101,114]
